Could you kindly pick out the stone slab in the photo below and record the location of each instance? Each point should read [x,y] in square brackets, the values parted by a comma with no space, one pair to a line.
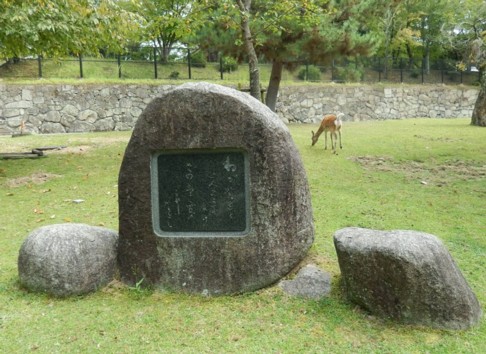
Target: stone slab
[310,283]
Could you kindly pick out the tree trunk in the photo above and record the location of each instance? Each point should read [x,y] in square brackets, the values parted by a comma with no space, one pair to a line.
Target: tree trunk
[479,112]
[165,53]
[274,84]
[159,44]
[410,56]
[250,49]
[426,60]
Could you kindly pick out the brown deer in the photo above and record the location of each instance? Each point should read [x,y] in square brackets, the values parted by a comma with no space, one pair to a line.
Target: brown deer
[333,124]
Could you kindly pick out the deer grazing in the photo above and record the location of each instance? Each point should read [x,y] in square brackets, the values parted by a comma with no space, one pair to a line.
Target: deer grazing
[333,124]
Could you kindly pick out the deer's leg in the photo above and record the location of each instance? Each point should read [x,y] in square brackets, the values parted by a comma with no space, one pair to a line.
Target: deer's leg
[325,140]
[333,142]
[340,145]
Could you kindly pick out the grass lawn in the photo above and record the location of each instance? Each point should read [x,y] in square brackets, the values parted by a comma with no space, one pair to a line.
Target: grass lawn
[421,174]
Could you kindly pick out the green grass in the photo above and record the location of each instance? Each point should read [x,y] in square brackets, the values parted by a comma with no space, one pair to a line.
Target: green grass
[376,181]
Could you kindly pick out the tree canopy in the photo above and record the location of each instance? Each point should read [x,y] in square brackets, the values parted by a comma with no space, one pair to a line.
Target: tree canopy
[284,33]
[288,32]
[62,27]
[165,22]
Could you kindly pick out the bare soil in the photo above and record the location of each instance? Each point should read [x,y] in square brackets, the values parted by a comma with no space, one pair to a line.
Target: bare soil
[74,144]
[427,173]
[35,178]
[81,149]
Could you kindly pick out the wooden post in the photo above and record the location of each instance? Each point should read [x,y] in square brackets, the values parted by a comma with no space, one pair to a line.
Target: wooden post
[81,74]
[39,64]
[155,63]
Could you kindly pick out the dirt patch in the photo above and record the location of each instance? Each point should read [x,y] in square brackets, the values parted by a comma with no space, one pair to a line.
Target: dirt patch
[439,139]
[372,162]
[103,140]
[81,149]
[36,178]
[427,173]
[72,145]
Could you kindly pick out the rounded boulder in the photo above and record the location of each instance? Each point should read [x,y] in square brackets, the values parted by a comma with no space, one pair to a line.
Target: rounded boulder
[68,259]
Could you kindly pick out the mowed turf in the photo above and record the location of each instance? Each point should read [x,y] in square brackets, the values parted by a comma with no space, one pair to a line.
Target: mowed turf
[418,174]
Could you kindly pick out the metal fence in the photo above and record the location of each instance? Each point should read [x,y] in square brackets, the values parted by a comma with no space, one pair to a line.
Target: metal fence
[145,63]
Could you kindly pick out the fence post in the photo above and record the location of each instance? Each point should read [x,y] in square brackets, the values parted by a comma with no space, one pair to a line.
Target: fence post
[401,70]
[155,63]
[306,71]
[39,65]
[442,71]
[379,69]
[423,62]
[221,66]
[189,63]
[119,66]
[80,57]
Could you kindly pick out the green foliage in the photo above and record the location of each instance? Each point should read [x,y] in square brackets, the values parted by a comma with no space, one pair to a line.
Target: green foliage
[229,65]
[284,32]
[418,28]
[136,52]
[138,291]
[165,22]
[291,29]
[349,73]
[415,73]
[198,60]
[61,27]
[310,73]
[374,182]
[471,42]
[174,75]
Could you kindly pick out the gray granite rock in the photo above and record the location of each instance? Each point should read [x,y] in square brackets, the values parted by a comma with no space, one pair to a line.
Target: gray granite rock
[407,276]
[199,255]
[310,283]
[67,259]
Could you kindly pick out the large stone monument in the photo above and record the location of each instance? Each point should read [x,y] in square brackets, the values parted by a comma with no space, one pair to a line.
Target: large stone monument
[213,196]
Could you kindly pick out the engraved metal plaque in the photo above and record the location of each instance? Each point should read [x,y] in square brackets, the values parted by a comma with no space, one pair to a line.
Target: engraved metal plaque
[196,192]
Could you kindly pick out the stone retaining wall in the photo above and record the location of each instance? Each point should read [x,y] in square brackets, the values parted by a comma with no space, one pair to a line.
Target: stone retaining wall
[81,108]
[73,108]
[366,102]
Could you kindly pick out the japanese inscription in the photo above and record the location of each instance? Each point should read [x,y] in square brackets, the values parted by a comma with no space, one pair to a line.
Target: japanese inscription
[200,192]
